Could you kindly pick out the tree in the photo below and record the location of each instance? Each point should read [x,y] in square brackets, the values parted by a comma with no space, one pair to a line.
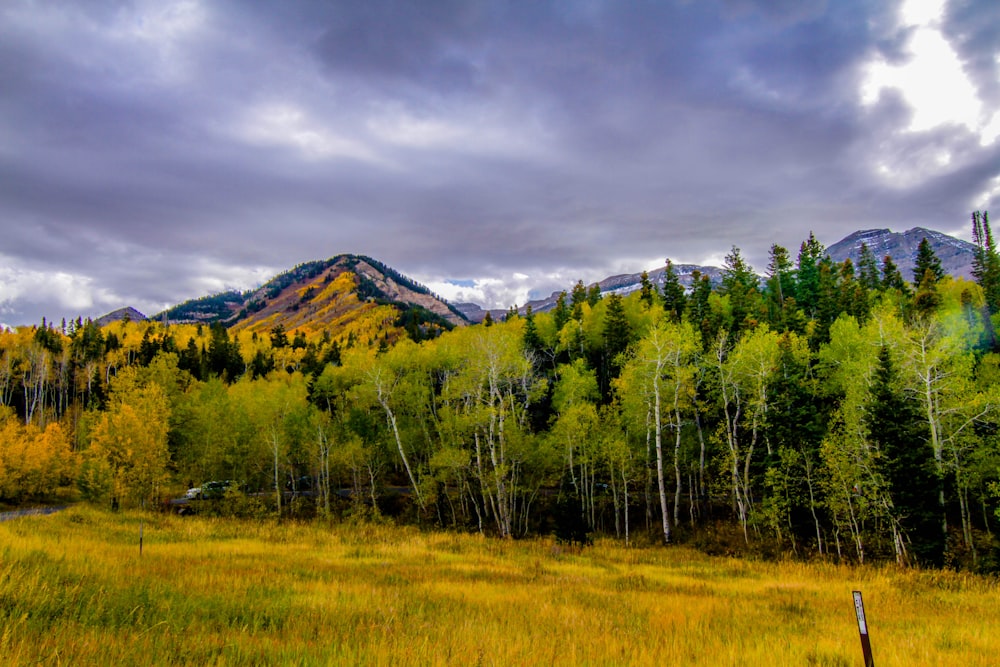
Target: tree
[926,261]
[891,277]
[740,284]
[574,399]
[807,274]
[561,313]
[645,289]
[617,335]
[674,300]
[130,439]
[868,269]
[744,374]
[986,270]
[663,369]
[486,402]
[908,467]
[780,284]
[577,299]
[34,462]
[594,295]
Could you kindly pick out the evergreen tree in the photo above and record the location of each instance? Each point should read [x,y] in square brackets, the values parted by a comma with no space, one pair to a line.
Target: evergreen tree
[224,357]
[827,307]
[594,295]
[780,285]
[532,341]
[807,274]
[740,282]
[279,338]
[617,336]
[190,360]
[907,464]
[926,300]
[852,296]
[698,308]
[577,299]
[986,261]
[926,261]
[645,289]
[561,312]
[674,300]
[868,271]
[891,277]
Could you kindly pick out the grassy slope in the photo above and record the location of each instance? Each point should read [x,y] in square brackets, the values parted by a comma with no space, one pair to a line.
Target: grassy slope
[74,590]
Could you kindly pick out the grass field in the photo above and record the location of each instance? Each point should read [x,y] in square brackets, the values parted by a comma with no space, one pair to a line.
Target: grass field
[74,590]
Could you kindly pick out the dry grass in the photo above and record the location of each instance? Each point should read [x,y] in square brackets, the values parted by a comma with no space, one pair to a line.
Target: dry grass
[74,590]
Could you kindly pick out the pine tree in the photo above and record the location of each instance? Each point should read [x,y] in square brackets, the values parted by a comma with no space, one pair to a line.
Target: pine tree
[891,277]
[807,275]
[698,309]
[617,336]
[645,289]
[561,312]
[986,261]
[532,341]
[926,300]
[740,282]
[594,295]
[780,285]
[674,300]
[868,272]
[926,261]
[907,464]
[578,298]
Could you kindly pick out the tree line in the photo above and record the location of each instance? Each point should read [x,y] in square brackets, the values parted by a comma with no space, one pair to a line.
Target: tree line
[827,409]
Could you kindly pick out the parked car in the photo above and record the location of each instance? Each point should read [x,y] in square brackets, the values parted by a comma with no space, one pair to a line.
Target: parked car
[210,490]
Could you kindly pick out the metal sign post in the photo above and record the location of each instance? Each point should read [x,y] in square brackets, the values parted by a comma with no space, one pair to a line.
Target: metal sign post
[866,645]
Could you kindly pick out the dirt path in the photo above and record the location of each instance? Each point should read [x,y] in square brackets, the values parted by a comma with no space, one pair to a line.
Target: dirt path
[33,511]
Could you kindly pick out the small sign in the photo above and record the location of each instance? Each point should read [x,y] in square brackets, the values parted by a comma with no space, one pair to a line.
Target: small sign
[859,607]
[866,645]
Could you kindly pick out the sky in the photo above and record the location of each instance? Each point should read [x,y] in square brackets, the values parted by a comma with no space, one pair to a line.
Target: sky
[154,151]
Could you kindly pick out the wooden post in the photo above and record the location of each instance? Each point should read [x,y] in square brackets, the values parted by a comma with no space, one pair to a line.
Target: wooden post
[140,537]
[866,646]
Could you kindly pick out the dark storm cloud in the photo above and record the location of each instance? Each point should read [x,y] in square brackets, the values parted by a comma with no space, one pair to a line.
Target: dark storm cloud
[156,151]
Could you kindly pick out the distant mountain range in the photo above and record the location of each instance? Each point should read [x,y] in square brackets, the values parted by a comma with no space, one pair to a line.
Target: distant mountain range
[329,293]
[955,255]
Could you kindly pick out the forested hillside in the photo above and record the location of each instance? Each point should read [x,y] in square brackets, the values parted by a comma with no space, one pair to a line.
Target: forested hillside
[838,410]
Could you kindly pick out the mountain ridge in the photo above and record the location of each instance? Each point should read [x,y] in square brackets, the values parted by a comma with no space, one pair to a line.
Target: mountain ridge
[378,282]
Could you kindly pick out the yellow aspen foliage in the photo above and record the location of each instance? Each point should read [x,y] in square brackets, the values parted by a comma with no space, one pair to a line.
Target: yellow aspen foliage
[34,462]
[129,442]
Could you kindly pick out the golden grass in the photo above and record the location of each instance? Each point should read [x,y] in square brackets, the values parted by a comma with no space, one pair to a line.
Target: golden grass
[74,590]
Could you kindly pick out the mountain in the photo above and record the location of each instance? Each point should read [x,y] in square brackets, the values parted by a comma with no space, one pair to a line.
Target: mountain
[323,295]
[955,254]
[129,314]
[620,284]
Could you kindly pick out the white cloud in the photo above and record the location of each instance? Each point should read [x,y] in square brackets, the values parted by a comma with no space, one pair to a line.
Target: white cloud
[932,82]
[68,292]
[406,130]
[941,97]
[283,124]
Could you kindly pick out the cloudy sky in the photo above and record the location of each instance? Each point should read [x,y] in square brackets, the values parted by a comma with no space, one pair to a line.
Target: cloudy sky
[161,150]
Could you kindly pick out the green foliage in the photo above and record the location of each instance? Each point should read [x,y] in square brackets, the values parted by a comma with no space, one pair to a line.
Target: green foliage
[735,410]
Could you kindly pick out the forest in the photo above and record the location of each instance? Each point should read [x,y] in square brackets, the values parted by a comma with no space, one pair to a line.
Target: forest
[825,410]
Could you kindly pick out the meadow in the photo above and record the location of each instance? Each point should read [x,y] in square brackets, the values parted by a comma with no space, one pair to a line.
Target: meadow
[74,589]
